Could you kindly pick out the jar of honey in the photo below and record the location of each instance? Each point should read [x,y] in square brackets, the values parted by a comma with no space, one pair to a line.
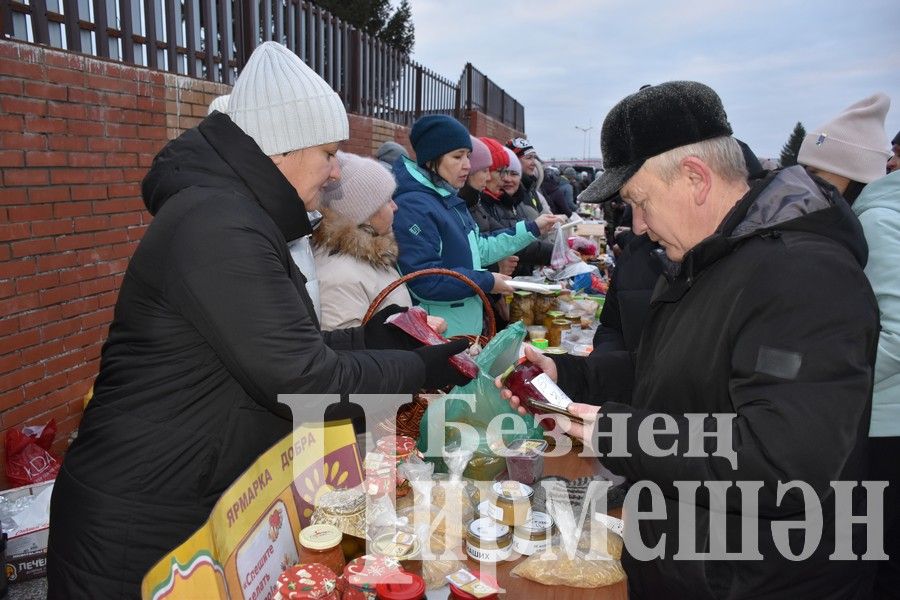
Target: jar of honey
[554,334]
[321,543]
[550,316]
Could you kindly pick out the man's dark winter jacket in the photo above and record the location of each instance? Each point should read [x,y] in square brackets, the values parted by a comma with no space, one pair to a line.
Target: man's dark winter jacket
[505,212]
[628,299]
[555,193]
[530,186]
[772,319]
[213,321]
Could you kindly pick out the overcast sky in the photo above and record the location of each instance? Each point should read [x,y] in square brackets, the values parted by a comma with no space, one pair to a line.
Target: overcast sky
[773,62]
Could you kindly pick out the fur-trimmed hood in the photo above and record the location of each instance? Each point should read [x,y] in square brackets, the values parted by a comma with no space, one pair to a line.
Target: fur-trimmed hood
[337,234]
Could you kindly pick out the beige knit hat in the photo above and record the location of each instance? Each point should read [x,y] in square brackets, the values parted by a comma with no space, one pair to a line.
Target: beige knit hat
[364,187]
[852,145]
[219,103]
[284,105]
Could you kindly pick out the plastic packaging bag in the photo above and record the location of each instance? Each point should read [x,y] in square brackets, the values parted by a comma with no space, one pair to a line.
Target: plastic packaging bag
[584,569]
[498,355]
[28,457]
[562,254]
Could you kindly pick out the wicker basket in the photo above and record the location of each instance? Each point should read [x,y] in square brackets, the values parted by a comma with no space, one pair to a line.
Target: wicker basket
[410,414]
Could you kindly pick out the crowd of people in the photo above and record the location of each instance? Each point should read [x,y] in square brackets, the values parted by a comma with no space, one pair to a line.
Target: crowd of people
[738,290]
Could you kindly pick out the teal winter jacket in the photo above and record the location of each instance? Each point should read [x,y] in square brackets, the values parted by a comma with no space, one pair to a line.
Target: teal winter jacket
[433,228]
[878,209]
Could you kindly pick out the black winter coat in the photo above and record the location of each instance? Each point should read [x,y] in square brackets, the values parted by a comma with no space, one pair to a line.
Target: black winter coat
[212,322]
[555,193]
[505,212]
[628,299]
[771,319]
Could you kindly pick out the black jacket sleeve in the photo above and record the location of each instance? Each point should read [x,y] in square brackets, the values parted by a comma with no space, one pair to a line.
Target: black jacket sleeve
[230,282]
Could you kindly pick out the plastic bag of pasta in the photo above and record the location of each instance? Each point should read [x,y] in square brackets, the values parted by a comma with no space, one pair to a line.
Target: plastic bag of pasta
[591,563]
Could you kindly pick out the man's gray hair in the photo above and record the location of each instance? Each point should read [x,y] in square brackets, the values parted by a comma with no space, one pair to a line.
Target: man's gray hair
[722,154]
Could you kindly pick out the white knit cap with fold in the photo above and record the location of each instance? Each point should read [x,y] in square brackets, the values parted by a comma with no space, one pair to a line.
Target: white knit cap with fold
[364,187]
[514,164]
[284,105]
[219,103]
[853,144]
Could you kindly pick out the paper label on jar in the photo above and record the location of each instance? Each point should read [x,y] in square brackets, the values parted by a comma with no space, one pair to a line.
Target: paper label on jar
[467,582]
[548,388]
[488,555]
[493,511]
[527,547]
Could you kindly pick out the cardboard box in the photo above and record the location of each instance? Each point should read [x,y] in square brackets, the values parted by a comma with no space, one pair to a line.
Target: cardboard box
[26,550]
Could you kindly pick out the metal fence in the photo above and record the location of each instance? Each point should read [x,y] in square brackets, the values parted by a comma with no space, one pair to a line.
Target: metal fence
[212,39]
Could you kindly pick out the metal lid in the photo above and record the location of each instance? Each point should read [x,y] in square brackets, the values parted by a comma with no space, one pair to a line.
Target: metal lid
[320,536]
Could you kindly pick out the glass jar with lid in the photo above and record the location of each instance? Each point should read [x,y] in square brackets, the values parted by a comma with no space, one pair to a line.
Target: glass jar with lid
[488,541]
[312,581]
[321,543]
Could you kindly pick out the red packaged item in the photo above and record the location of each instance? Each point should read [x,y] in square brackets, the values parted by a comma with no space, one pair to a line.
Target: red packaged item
[415,322]
[537,393]
[583,245]
[28,458]
[312,581]
[411,588]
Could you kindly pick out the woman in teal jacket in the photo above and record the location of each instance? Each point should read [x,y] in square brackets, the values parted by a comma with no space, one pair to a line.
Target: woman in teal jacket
[433,227]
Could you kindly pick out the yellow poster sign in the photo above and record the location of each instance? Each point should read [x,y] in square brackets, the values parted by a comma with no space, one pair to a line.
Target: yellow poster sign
[251,534]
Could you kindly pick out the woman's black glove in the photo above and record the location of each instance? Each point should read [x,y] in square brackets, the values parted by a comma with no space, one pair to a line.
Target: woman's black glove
[379,335]
[439,372]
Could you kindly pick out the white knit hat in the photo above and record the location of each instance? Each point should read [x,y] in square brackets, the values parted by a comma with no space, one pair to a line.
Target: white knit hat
[284,105]
[219,103]
[364,187]
[852,145]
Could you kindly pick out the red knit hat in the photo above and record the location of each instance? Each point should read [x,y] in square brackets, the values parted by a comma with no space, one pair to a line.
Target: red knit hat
[499,157]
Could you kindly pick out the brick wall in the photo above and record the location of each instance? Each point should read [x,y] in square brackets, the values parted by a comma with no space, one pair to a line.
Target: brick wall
[77,135]
[482,125]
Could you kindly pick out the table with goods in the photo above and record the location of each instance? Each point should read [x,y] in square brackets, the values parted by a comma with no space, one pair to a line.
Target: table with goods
[400,518]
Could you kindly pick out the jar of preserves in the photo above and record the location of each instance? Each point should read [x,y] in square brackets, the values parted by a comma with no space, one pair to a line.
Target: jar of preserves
[543,303]
[488,541]
[551,316]
[534,535]
[510,502]
[312,581]
[400,448]
[321,543]
[522,307]
[402,547]
[412,589]
[554,334]
[367,571]
[537,393]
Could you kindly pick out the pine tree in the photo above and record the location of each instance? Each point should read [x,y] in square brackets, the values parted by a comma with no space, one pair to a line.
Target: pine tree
[791,149]
[377,18]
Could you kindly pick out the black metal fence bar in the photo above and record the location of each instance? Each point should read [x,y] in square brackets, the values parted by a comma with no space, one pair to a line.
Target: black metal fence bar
[212,39]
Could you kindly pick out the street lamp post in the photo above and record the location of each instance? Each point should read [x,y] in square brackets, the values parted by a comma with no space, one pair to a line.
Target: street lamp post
[585,145]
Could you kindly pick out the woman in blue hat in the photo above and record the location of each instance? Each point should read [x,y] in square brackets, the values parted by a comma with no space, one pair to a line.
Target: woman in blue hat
[433,227]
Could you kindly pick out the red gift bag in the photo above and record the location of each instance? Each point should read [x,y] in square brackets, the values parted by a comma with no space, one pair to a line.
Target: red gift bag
[28,458]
